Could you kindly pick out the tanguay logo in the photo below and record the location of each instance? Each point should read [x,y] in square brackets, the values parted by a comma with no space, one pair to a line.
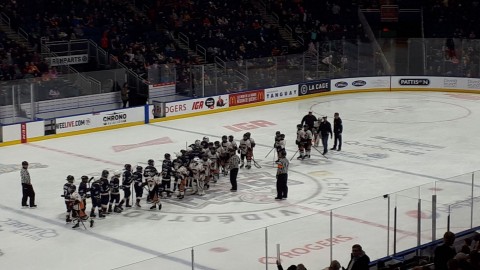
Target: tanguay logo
[7,168]
[450,83]
[279,93]
[114,118]
[359,83]
[70,124]
[341,84]
[473,84]
[419,82]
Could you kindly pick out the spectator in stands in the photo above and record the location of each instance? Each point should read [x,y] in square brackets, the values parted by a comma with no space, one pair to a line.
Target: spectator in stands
[125,94]
[444,252]
[334,265]
[359,260]
[291,267]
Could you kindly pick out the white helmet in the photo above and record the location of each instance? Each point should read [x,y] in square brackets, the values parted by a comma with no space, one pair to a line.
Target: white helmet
[196,159]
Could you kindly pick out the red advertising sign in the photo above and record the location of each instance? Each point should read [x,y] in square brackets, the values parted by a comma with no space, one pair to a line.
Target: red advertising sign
[23,132]
[246,97]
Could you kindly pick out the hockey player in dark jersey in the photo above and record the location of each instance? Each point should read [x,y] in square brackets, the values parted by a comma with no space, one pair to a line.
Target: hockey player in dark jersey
[95,192]
[68,189]
[127,181]
[105,191]
[150,170]
[167,173]
[138,185]
[115,193]
[83,190]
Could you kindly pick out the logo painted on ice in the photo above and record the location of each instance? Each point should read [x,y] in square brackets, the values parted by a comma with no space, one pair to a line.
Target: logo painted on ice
[7,168]
[256,193]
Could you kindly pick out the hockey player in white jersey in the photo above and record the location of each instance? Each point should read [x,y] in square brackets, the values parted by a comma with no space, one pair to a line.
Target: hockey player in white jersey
[246,150]
[300,141]
[214,157]
[207,166]
[181,174]
[307,139]
[197,170]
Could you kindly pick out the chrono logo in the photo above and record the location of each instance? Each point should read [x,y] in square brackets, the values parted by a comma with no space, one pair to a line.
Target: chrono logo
[341,84]
[359,83]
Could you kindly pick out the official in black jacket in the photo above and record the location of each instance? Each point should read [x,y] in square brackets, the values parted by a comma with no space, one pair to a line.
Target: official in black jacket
[337,132]
[309,120]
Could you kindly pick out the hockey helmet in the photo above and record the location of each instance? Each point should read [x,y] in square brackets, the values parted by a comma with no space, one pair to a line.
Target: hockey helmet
[277,133]
[248,134]
[245,136]
[105,173]
[151,162]
[117,173]
[189,149]
[217,143]
[197,142]
[167,156]
[24,163]
[206,139]
[224,138]
[128,167]
[299,126]
[84,178]
[282,136]
[139,169]
[70,178]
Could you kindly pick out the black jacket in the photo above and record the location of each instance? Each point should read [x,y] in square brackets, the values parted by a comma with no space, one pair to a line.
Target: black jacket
[361,263]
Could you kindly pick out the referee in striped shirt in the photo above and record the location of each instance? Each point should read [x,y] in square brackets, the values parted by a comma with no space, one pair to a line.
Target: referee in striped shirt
[233,163]
[27,188]
[282,176]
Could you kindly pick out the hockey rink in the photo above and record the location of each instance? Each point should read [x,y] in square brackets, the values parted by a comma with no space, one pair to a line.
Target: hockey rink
[391,142]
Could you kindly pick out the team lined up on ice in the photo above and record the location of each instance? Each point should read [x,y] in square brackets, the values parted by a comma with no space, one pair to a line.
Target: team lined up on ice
[193,169]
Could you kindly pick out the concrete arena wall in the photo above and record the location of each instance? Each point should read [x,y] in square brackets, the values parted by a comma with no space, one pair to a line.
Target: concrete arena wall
[12,134]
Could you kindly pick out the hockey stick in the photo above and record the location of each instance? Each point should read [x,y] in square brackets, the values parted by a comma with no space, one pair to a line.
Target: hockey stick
[269,152]
[255,163]
[320,152]
[294,155]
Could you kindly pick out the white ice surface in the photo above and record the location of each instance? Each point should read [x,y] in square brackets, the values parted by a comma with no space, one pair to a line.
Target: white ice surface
[392,142]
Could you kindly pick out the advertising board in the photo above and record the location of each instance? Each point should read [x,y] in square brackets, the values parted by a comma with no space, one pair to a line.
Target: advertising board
[196,105]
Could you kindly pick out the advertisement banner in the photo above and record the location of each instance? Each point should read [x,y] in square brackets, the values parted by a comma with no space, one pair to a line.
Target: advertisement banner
[361,83]
[281,92]
[100,119]
[196,105]
[161,90]
[436,82]
[249,97]
[23,133]
[68,60]
[309,88]
[73,123]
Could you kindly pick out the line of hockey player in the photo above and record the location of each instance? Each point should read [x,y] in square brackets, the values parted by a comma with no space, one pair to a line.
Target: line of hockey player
[194,167]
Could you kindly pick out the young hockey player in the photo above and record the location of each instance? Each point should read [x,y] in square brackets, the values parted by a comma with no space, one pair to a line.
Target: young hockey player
[167,173]
[138,185]
[68,189]
[115,193]
[127,180]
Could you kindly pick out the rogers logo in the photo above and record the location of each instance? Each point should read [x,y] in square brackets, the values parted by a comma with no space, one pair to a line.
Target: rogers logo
[341,84]
[359,83]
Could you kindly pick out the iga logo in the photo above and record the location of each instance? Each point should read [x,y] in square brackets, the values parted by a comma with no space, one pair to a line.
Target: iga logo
[341,84]
[359,83]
